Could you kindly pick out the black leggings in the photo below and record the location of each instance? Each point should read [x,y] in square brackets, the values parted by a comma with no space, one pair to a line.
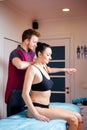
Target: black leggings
[40,105]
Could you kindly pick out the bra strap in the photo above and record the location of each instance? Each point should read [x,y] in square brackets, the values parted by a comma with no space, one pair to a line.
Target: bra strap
[38,69]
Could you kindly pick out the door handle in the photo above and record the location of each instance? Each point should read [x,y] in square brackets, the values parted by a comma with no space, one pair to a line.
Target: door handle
[67,88]
[67,92]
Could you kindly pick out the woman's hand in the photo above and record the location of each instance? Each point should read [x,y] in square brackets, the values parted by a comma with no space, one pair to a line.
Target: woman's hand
[42,118]
[70,70]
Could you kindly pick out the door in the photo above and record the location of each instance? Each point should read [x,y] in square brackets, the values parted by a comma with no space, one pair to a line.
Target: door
[60,59]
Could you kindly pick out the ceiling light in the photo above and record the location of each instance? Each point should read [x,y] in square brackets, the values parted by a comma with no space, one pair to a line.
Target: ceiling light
[66,9]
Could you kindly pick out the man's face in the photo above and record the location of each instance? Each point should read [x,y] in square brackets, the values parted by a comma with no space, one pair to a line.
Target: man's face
[33,43]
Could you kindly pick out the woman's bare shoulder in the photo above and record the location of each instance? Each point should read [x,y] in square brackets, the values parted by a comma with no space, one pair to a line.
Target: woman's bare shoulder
[31,69]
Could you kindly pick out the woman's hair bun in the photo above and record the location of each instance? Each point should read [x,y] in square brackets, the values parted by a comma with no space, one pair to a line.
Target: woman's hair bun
[39,44]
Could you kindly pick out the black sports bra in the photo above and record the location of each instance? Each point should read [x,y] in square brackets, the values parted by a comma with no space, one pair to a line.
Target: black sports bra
[44,85]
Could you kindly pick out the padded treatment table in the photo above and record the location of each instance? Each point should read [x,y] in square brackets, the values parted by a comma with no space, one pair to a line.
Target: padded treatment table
[21,122]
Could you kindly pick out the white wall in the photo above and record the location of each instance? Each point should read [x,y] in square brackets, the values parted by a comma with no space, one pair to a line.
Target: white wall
[12,24]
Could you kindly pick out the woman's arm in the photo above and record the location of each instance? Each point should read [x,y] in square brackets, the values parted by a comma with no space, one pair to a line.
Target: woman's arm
[29,77]
[55,70]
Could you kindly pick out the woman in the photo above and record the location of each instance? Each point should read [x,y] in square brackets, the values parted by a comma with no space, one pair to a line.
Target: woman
[38,79]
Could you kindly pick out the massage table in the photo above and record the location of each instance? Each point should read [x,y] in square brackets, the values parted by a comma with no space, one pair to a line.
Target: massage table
[21,122]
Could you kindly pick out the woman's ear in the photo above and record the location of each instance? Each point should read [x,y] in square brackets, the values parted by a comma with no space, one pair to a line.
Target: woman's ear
[39,54]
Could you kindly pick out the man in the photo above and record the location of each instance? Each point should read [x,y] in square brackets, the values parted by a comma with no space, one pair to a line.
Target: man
[19,60]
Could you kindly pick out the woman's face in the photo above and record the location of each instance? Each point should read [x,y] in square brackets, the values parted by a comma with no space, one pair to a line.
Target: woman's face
[46,55]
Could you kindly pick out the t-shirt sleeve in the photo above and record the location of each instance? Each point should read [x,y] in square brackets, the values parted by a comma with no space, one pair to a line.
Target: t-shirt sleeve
[14,54]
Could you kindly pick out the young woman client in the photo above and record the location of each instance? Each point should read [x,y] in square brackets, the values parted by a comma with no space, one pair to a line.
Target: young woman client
[38,80]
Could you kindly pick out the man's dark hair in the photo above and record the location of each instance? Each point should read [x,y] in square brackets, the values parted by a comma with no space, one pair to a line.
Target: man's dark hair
[27,34]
